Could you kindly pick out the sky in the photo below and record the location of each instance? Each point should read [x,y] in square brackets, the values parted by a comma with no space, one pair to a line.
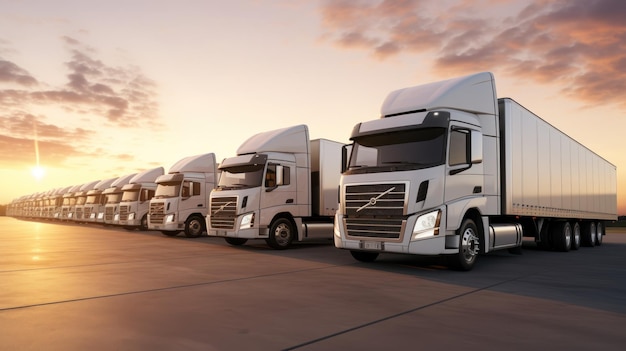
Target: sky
[96,90]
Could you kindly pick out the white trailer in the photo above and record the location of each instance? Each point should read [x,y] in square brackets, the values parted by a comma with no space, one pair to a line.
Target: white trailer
[280,187]
[113,197]
[449,169]
[182,196]
[136,197]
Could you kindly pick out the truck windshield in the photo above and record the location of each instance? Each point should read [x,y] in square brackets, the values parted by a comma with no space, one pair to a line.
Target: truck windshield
[167,189]
[130,195]
[92,199]
[248,176]
[114,198]
[399,150]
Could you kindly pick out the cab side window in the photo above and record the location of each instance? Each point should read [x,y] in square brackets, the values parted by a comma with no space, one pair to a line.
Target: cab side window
[459,141]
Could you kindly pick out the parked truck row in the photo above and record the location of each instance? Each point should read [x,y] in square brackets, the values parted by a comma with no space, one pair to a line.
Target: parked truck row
[448,169]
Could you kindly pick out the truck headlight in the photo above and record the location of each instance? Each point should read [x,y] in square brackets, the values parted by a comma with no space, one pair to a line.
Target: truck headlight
[169,218]
[131,216]
[247,221]
[100,215]
[116,217]
[426,225]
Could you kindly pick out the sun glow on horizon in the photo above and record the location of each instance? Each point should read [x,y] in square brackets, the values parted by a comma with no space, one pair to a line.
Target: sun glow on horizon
[38,172]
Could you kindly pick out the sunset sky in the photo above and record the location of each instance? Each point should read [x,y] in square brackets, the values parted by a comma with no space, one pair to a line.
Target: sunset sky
[92,90]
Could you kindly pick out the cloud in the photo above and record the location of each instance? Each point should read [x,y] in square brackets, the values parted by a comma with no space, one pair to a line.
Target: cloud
[94,98]
[12,73]
[580,45]
[122,96]
[20,152]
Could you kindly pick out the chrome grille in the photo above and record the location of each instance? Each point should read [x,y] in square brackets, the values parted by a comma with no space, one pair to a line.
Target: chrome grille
[108,213]
[157,212]
[375,210]
[87,212]
[223,212]
[124,212]
[79,213]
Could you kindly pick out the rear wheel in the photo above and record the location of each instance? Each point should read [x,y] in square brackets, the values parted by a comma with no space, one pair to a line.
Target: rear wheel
[236,241]
[364,256]
[599,233]
[282,234]
[469,247]
[588,234]
[562,236]
[194,226]
[575,235]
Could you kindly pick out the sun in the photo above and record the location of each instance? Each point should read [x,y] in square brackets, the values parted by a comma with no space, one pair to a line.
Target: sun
[38,172]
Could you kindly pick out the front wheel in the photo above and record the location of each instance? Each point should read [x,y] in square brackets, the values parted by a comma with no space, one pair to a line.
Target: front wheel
[469,247]
[194,226]
[236,241]
[144,223]
[282,234]
[364,256]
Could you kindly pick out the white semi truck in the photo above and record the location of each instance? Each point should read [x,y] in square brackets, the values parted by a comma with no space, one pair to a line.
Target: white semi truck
[96,200]
[113,196]
[81,199]
[182,196]
[69,203]
[449,169]
[280,187]
[136,197]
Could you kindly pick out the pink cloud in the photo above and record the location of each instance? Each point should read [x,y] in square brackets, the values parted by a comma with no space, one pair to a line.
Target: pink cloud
[580,45]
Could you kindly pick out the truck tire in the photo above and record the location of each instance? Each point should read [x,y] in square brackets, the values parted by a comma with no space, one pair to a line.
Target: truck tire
[194,226]
[562,236]
[588,234]
[364,256]
[469,247]
[236,241]
[282,234]
[143,226]
[575,235]
[599,233]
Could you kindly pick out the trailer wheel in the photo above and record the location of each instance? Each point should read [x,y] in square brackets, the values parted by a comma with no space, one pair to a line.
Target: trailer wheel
[144,223]
[281,234]
[575,235]
[469,247]
[236,241]
[170,232]
[562,236]
[599,233]
[364,256]
[588,237]
[194,226]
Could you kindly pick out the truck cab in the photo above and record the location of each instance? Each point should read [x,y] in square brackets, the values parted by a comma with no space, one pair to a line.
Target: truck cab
[180,202]
[96,200]
[280,187]
[113,197]
[136,197]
